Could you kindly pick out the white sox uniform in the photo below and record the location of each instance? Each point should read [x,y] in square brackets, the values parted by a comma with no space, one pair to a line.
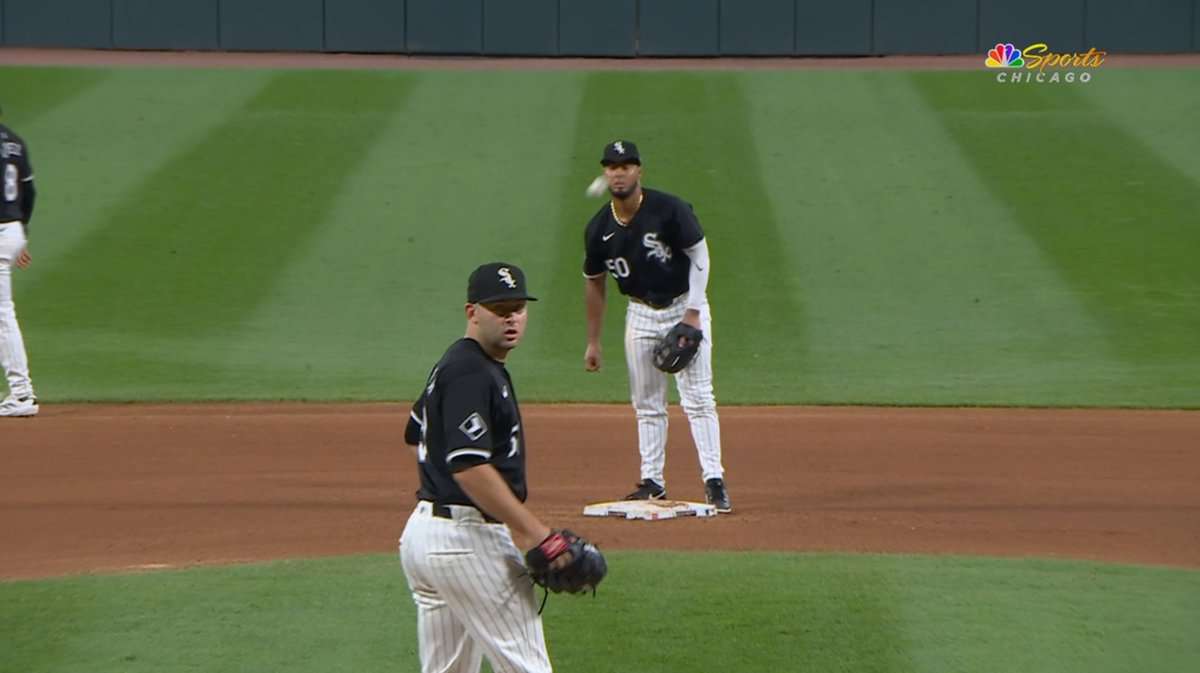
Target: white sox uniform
[659,259]
[473,593]
[16,209]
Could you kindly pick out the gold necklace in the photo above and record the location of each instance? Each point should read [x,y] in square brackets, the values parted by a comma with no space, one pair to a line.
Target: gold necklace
[612,205]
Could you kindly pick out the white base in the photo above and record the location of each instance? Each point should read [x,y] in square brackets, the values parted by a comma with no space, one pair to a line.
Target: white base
[650,510]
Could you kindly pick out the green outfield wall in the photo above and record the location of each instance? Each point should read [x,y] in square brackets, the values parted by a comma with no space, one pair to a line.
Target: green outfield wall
[611,28]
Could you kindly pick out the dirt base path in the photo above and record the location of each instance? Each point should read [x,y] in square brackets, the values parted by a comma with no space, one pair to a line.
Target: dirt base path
[97,488]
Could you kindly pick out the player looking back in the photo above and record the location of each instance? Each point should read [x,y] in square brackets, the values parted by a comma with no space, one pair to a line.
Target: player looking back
[463,548]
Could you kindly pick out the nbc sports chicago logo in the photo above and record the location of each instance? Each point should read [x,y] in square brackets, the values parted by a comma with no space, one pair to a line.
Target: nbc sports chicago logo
[1037,64]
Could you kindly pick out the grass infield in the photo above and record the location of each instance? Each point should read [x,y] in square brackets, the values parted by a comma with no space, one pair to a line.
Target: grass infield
[657,611]
[932,238]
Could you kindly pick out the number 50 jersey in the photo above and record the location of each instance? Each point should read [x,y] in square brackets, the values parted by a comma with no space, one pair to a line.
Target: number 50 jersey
[646,255]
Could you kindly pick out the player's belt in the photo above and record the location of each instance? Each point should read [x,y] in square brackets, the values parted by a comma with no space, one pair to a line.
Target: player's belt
[654,305]
[442,511]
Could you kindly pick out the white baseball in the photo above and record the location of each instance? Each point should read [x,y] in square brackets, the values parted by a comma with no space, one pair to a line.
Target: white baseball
[598,187]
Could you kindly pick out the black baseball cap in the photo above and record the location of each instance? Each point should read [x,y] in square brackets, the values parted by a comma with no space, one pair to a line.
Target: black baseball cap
[621,152]
[497,281]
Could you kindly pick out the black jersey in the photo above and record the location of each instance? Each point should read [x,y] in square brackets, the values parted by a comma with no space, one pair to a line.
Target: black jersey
[646,256]
[16,174]
[466,416]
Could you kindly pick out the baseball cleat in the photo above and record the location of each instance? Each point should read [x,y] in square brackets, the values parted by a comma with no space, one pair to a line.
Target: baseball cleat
[715,494]
[13,407]
[648,489]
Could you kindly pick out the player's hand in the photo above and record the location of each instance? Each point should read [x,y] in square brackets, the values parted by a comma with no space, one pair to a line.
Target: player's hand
[591,358]
[24,259]
[691,317]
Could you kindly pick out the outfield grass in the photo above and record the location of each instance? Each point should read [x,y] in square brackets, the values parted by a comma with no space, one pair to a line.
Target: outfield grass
[878,237]
[656,612]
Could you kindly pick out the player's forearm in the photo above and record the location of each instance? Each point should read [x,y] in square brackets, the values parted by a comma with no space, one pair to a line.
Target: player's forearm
[594,291]
[486,488]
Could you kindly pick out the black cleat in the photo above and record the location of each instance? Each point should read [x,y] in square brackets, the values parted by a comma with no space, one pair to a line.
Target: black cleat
[648,489]
[715,494]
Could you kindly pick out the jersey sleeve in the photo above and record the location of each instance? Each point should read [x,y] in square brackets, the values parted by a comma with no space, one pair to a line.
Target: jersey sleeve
[24,164]
[416,422]
[594,255]
[689,232]
[466,417]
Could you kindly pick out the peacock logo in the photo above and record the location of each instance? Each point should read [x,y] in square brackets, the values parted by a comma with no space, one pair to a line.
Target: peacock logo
[1004,55]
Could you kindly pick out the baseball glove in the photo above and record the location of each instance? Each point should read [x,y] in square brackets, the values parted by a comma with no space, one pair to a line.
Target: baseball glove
[678,348]
[584,571]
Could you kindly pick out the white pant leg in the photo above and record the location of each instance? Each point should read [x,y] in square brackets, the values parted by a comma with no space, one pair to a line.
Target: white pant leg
[442,641]
[12,346]
[647,388]
[695,384]
[473,597]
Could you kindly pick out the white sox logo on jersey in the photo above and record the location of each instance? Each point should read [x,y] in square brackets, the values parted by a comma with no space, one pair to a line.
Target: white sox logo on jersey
[657,249]
[506,277]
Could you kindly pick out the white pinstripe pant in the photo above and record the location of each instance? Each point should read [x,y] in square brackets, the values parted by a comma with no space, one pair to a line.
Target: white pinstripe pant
[12,346]
[644,329]
[473,595]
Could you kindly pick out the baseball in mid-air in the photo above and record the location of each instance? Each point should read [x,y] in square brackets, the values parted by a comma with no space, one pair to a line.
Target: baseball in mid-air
[598,187]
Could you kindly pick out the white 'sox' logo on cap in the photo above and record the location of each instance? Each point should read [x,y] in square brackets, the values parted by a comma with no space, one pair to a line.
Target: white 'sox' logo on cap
[506,277]
[619,147]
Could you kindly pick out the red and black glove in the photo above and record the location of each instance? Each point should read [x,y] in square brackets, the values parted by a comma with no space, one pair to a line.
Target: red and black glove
[583,572]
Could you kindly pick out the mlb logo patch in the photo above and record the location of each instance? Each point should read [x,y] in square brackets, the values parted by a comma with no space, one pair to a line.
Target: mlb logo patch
[473,426]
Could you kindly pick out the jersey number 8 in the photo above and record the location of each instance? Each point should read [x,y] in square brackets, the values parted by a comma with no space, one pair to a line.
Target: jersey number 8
[619,267]
[10,183]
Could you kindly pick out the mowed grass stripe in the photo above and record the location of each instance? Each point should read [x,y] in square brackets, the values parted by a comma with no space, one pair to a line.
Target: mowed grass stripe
[1156,105]
[442,190]
[1118,221]
[693,132]
[91,150]
[28,93]
[559,320]
[920,289]
[198,246]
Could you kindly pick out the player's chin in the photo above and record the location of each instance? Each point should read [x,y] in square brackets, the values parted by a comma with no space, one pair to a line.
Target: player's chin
[511,338]
[620,192]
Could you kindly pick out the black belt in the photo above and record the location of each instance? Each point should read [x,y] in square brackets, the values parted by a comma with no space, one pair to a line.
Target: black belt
[443,512]
[653,305]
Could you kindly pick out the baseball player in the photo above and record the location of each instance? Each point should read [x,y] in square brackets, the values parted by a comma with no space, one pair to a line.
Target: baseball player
[652,245]
[16,209]
[462,546]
